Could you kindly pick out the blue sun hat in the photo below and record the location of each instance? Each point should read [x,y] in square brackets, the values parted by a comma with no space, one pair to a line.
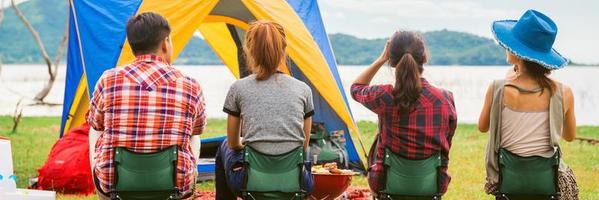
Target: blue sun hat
[530,38]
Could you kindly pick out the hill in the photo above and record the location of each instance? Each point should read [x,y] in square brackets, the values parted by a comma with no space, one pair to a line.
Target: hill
[49,17]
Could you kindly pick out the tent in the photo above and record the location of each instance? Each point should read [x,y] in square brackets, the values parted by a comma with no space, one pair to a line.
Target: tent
[97,42]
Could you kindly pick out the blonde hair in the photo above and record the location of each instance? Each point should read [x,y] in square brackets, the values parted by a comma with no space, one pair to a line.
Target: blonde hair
[264,48]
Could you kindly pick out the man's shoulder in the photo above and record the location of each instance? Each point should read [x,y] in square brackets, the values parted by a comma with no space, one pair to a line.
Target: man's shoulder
[111,73]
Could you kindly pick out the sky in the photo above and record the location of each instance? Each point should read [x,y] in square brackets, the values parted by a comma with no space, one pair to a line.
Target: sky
[577,20]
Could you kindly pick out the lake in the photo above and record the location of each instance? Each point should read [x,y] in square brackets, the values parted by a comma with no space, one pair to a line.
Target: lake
[467,83]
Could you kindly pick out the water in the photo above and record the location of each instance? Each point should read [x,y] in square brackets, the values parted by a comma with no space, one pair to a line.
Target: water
[468,84]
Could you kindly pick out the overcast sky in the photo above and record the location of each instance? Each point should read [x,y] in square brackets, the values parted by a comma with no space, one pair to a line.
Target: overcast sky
[577,20]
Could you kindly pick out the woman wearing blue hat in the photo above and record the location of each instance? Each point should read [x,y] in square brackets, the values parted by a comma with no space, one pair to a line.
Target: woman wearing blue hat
[527,113]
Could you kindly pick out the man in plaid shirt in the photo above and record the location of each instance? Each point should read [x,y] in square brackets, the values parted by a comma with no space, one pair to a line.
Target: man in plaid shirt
[147,106]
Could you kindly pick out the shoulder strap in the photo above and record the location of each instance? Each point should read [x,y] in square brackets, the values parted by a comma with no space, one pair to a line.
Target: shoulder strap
[524,90]
[492,166]
[496,108]
[556,114]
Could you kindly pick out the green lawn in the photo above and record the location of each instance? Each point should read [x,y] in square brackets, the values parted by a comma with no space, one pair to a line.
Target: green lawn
[36,135]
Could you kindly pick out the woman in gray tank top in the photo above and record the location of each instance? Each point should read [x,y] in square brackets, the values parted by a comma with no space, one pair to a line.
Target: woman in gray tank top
[528,113]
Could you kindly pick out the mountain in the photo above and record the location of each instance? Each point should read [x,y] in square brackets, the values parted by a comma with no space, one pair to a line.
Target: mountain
[49,17]
[445,48]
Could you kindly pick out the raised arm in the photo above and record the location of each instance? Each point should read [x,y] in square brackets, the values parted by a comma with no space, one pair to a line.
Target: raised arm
[485,114]
[569,132]
[366,76]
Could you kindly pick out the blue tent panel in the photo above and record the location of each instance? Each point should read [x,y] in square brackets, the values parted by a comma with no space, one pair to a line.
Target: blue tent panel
[74,73]
[108,20]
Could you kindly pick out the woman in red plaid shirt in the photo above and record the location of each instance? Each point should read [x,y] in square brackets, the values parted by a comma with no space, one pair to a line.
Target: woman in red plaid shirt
[416,119]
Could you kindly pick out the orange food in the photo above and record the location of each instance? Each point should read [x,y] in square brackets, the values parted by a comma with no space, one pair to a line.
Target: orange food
[330,168]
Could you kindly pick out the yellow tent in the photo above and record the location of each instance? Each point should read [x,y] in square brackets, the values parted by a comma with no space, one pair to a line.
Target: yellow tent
[97,42]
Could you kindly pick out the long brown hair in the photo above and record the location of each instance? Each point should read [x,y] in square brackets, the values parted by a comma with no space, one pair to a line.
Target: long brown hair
[539,74]
[264,48]
[407,53]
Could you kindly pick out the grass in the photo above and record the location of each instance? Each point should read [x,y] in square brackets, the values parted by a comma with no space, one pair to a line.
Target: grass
[36,135]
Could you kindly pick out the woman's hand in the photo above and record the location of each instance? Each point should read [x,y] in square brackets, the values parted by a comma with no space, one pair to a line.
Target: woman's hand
[366,76]
[385,54]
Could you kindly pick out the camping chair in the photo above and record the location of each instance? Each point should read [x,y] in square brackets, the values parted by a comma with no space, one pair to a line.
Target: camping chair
[410,179]
[144,176]
[273,176]
[531,177]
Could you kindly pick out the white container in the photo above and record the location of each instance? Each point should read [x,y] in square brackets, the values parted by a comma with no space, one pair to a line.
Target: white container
[23,194]
[7,177]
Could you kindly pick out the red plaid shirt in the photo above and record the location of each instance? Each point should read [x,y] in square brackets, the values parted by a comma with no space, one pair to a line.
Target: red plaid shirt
[427,129]
[146,106]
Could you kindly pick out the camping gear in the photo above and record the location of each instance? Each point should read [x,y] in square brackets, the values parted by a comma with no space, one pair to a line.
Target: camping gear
[8,180]
[528,177]
[95,49]
[330,186]
[325,147]
[144,176]
[67,169]
[274,176]
[411,178]
[530,38]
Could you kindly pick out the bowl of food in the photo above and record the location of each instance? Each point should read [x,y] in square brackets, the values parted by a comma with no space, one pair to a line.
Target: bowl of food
[329,181]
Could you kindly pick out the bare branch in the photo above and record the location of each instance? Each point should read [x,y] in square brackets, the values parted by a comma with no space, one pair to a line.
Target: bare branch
[52,67]
[17,117]
[61,48]
[35,34]
[53,73]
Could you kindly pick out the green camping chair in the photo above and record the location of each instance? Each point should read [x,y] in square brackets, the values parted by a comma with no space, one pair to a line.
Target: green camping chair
[141,176]
[532,177]
[410,179]
[273,177]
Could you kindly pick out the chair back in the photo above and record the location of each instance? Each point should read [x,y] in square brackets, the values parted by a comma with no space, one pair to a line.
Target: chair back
[405,177]
[145,175]
[273,176]
[533,175]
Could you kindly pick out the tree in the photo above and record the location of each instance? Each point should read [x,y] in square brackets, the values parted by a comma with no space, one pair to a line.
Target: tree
[52,66]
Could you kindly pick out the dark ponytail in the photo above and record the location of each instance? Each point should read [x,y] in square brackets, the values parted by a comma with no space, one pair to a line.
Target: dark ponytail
[407,53]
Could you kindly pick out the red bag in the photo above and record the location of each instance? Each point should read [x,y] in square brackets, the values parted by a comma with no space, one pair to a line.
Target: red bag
[67,169]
